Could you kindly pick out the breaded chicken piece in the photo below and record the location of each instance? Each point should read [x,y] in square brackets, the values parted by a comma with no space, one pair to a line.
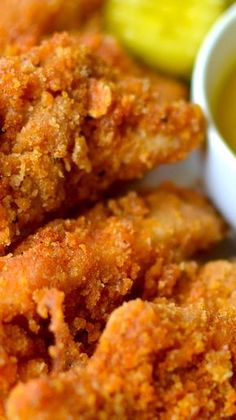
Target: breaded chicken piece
[47,347]
[153,361]
[19,353]
[23,23]
[97,261]
[71,126]
[103,257]
[213,283]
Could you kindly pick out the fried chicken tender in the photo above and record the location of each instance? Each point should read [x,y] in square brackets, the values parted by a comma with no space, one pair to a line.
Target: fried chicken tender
[72,126]
[103,257]
[23,23]
[96,262]
[153,361]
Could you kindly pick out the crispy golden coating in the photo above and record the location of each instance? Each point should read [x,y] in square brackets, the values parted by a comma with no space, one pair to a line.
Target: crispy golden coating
[8,378]
[213,283]
[24,22]
[71,125]
[96,262]
[65,353]
[77,115]
[153,361]
[28,351]
[110,252]
[17,350]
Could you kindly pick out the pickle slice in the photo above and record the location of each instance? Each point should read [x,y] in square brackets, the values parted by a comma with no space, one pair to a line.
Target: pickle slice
[164,34]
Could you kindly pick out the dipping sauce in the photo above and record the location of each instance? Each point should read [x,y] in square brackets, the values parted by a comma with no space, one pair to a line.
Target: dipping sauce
[225,108]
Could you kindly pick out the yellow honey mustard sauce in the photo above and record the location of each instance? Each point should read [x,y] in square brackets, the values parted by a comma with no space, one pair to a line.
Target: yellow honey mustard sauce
[224,108]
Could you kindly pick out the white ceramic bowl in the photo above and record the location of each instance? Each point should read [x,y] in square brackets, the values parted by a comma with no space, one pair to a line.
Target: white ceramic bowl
[216,55]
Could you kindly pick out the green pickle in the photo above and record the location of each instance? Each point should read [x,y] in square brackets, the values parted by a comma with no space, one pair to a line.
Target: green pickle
[164,34]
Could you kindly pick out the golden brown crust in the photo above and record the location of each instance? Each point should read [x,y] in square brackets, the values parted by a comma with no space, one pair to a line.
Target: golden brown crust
[30,349]
[23,23]
[153,361]
[65,352]
[99,258]
[71,126]
[213,283]
[77,115]
[17,350]
[119,249]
